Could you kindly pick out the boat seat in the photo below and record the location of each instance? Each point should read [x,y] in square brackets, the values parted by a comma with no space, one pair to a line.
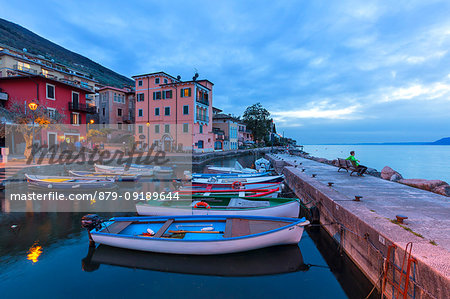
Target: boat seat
[245,203]
[117,227]
[163,228]
[236,228]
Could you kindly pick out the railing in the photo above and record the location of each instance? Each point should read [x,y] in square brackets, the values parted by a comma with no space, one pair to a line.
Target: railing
[76,84]
[24,69]
[127,119]
[82,107]
[203,101]
[202,118]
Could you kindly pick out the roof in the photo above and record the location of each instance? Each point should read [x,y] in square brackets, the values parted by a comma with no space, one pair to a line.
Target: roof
[72,86]
[183,82]
[225,116]
[155,73]
[116,89]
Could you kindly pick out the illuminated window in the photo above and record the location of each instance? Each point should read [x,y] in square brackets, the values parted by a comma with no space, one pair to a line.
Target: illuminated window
[45,72]
[23,66]
[75,119]
[185,92]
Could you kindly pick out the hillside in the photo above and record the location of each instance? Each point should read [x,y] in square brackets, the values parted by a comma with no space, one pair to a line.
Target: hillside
[442,141]
[18,37]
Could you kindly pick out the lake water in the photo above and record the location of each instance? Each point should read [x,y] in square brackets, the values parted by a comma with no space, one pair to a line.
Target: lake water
[411,161]
[47,255]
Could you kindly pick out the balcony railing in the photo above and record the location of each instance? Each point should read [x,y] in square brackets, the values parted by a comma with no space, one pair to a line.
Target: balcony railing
[203,118]
[128,119]
[24,69]
[203,101]
[82,108]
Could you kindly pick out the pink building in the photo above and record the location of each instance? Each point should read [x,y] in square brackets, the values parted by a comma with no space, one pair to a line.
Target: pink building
[116,106]
[174,114]
[245,135]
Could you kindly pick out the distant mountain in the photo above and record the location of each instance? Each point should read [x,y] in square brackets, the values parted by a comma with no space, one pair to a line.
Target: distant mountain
[442,141]
[18,37]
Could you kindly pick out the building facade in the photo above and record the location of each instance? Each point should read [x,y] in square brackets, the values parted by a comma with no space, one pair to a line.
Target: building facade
[68,100]
[116,106]
[244,135]
[172,114]
[229,125]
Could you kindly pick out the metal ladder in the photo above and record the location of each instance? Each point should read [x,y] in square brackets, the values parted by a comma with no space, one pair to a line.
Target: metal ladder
[400,287]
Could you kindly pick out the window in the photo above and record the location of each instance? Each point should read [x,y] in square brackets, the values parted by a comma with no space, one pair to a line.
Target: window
[157,95]
[119,112]
[156,128]
[185,92]
[140,83]
[156,80]
[50,92]
[140,97]
[104,111]
[75,120]
[75,98]
[165,81]
[23,66]
[140,112]
[167,111]
[51,112]
[140,129]
[200,129]
[185,128]
[166,128]
[167,94]
[200,144]
[45,72]
[186,109]
[119,126]
[156,111]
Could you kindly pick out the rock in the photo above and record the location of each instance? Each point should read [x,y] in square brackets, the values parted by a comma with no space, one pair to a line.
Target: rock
[335,162]
[396,177]
[387,173]
[321,160]
[442,190]
[423,184]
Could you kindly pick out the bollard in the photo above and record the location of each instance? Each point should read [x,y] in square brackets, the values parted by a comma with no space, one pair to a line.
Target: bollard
[330,184]
[313,175]
[400,218]
[358,198]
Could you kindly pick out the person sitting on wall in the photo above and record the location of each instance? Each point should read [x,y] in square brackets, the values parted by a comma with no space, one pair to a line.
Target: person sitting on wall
[360,168]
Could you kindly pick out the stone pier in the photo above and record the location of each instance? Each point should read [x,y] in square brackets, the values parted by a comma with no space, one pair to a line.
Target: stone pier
[366,229]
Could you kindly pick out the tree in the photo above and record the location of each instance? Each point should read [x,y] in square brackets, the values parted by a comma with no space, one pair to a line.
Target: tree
[256,118]
[22,117]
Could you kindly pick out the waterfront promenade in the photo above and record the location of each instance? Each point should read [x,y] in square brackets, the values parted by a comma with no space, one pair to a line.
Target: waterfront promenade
[372,218]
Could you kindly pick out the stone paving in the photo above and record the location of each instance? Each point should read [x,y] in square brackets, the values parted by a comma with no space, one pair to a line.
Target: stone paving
[428,213]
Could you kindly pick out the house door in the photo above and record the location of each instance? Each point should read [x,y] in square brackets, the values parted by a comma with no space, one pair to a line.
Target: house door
[51,139]
[75,99]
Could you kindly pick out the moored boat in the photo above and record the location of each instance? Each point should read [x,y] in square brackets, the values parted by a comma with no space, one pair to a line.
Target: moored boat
[66,182]
[236,169]
[198,235]
[228,175]
[121,177]
[221,205]
[237,183]
[156,168]
[270,190]
[122,170]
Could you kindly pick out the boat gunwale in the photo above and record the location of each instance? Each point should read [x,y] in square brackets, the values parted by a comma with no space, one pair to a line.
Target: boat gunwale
[295,222]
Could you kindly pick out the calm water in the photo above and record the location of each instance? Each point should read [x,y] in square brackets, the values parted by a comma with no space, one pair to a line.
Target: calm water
[64,266]
[412,161]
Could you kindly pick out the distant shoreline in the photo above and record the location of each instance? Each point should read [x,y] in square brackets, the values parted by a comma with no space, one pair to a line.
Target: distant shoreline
[442,141]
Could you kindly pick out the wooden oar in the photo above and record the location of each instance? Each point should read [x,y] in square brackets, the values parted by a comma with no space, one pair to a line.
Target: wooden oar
[194,231]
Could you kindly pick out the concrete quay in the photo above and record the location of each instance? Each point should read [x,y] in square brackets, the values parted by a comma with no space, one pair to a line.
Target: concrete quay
[366,229]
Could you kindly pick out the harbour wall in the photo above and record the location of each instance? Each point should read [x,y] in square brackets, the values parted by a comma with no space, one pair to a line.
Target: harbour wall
[364,235]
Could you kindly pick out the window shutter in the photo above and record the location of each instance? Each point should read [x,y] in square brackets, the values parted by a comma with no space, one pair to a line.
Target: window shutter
[181,92]
[164,95]
[154,95]
[189,92]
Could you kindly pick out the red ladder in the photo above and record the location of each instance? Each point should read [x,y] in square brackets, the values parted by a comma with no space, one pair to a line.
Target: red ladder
[398,287]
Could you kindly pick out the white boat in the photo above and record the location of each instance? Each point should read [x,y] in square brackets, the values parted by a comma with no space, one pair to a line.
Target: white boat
[237,183]
[121,170]
[262,165]
[69,183]
[236,169]
[222,205]
[155,168]
[198,235]
[120,177]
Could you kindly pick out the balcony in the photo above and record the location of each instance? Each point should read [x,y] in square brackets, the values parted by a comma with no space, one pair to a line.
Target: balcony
[203,101]
[128,119]
[79,107]
[25,69]
[204,118]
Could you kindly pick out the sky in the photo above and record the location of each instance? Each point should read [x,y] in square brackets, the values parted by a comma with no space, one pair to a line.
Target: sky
[328,71]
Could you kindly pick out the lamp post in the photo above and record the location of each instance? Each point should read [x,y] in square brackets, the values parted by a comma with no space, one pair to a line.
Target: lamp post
[148,134]
[33,106]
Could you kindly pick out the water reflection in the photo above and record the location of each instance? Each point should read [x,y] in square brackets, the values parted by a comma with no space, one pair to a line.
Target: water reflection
[268,261]
[34,252]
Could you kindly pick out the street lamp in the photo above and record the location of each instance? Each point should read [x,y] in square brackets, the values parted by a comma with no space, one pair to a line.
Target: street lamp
[33,106]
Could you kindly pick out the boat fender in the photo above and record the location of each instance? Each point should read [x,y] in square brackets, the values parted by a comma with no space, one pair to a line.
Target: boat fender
[76,186]
[50,186]
[236,185]
[207,228]
[202,204]
[151,232]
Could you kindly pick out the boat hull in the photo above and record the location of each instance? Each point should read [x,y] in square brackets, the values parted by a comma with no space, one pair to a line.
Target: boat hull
[290,210]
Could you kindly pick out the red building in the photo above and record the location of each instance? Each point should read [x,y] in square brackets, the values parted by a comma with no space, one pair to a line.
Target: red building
[64,97]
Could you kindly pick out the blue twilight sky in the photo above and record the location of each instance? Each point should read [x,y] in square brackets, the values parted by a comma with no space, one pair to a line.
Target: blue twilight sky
[328,71]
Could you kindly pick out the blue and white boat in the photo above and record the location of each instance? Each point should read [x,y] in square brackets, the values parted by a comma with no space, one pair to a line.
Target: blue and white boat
[156,168]
[198,235]
[226,175]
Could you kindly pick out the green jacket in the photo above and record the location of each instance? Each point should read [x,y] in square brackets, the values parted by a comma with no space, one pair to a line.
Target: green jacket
[353,159]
